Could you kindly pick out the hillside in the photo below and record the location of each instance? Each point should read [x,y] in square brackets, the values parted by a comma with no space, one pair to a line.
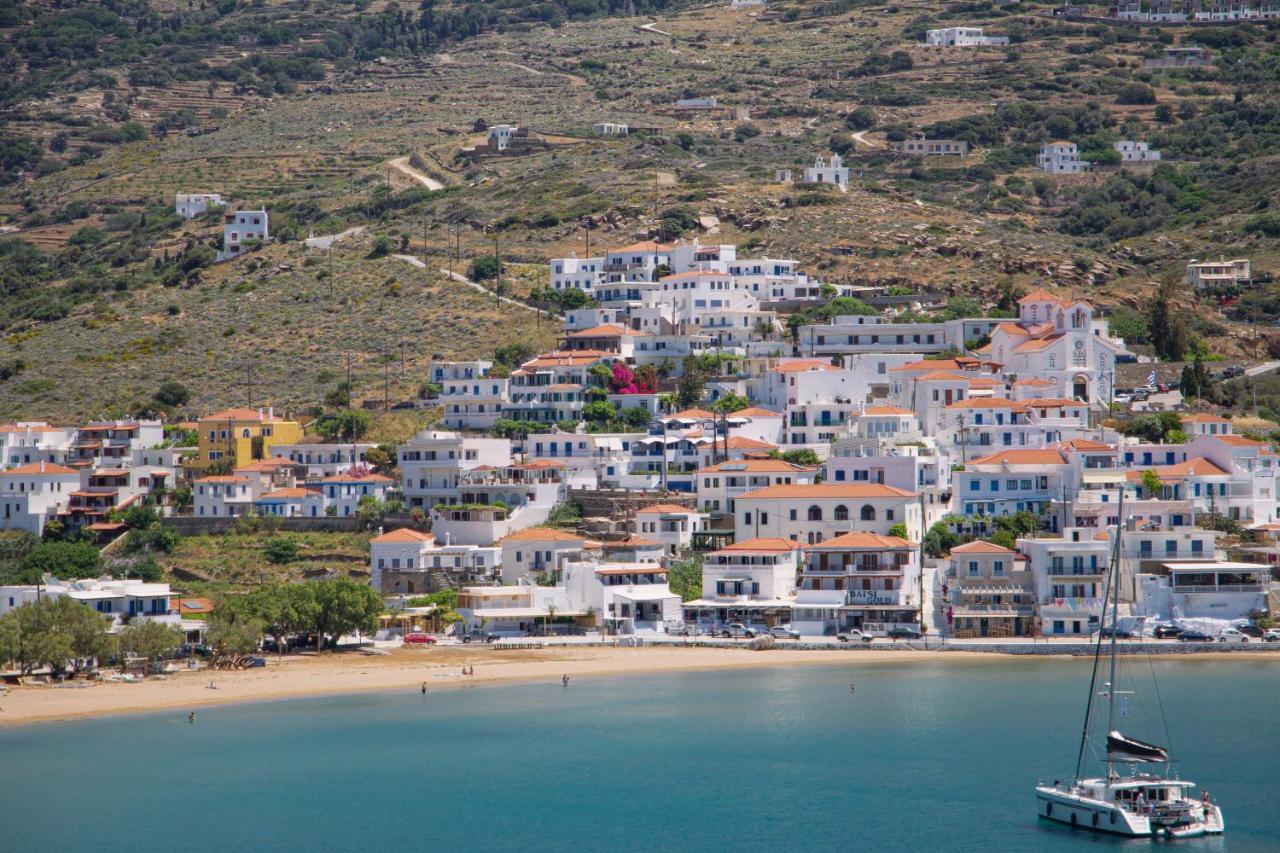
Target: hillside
[106,293]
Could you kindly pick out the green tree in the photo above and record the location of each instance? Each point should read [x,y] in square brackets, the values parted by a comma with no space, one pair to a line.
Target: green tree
[802,456]
[171,394]
[1196,382]
[280,550]
[685,578]
[598,412]
[1151,483]
[636,417]
[283,609]
[232,631]
[55,632]
[939,540]
[65,560]
[862,118]
[730,403]
[1167,320]
[344,606]
[146,638]
[899,530]
[484,268]
[346,425]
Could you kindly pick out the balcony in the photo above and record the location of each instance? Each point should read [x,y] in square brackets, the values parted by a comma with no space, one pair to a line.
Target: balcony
[1226,587]
[995,609]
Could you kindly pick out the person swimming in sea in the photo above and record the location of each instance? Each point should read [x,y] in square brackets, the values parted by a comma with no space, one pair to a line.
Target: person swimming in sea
[191,718]
[424,688]
[564,679]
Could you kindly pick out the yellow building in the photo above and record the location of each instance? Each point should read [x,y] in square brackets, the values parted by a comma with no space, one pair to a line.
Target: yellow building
[243,436]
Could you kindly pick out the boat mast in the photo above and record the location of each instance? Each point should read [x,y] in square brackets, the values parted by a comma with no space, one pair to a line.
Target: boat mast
[1097,649]
[1113,588]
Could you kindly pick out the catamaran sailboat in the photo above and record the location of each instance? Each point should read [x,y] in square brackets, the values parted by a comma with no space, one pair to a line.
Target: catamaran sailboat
[1125,801]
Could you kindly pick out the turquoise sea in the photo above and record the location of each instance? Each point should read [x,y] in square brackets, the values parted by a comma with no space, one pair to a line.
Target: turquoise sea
[928,757]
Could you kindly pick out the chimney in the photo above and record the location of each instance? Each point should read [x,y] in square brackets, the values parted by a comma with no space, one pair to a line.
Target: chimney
[271,412]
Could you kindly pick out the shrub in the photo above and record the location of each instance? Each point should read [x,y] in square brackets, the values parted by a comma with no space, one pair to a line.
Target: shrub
[280,550]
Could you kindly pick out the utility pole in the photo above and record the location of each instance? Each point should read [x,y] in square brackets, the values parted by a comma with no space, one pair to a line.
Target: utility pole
[248,380]
[497,287]
[331,269]
[349,394]
[402,359]
[386,381]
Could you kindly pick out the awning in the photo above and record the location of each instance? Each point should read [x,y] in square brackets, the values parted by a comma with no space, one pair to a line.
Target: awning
[753,604]
[650,592]
[520,613]
[1106,475]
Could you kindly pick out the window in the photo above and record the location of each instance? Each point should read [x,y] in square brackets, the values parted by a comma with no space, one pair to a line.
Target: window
[973,568]
[867,513]
[815,513]
[842,513]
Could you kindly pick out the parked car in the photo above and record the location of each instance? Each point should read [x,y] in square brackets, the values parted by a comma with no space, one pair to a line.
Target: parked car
[255,662]
[1126,358]
[784,632]
[1272,636]
[1120,633]
[853,635]
[1232,372]
[1123,399]
[1166,632]
[903,634]
[1250,631]
[1194,637]
[1232,635]
[736,629]
[419,639]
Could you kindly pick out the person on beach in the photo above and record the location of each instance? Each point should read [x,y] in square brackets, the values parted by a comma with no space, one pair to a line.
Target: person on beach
[564,679]
[424,688]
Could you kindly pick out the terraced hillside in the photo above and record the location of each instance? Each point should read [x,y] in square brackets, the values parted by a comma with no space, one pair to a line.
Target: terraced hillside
[119,294]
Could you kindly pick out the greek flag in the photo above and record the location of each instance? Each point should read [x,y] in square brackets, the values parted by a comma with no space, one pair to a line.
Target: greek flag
[1151,378]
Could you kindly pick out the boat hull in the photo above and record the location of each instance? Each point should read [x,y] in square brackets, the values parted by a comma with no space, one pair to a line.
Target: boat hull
[1086,813]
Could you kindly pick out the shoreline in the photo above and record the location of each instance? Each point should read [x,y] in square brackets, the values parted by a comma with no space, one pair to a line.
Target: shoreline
[302,676]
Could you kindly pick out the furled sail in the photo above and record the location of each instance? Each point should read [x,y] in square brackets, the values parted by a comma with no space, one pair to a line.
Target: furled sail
[1130,749]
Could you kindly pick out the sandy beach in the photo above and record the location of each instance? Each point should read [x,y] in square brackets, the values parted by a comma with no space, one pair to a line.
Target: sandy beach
[301,675]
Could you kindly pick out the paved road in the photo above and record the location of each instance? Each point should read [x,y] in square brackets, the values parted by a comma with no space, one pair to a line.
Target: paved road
[462,279]
[329,239]
[1265,367]
[401,164]
[861,137]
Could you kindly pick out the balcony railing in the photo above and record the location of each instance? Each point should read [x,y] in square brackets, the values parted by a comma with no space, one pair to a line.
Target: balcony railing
[983,609]
[1226,587]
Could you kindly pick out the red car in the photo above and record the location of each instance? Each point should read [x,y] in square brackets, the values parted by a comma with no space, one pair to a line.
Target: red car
[420,639]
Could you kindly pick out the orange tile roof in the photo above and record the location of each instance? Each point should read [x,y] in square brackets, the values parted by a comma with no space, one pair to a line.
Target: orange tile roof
[287,494]
[1035,380]
[1203,419]
[570,358]
[859,539]
[886,410]
[1197,467]
[1040,294]
[757,466]
[1037,344]
[932,364]
[985,382]
[667,509]
[1079,444]
[643,246]
[761,544]
[741,442]
[981,546]
[990,403]
[267,465]
[1010,329]
[632,541]
[755,412]
[1237,441]
[688,415]
[1054,402]
[803,366]
[41,468]
[942,376]
[1020,456]
[605,330]
[542,534]
[404,534]
[828,490]
[222,478]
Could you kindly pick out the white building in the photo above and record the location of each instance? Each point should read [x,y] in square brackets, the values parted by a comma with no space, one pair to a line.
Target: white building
[318,460]
[720,484]
[610,128]
[752,582]
[859,581]
[499,136]
[809,514]
[670,524]
[190,205]
[223,495]
[623,598]
[831,171]
[407,562]
[433,461]
[1069,574]
[537,551]
[962,37]
[1206,590]
[111,597]
[34,494]
[1233,273]
[1061,158]
[26,442]
[240,228]
[1136,152]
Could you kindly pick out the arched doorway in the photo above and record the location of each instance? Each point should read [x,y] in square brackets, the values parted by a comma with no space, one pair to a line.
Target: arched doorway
[1080,388]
